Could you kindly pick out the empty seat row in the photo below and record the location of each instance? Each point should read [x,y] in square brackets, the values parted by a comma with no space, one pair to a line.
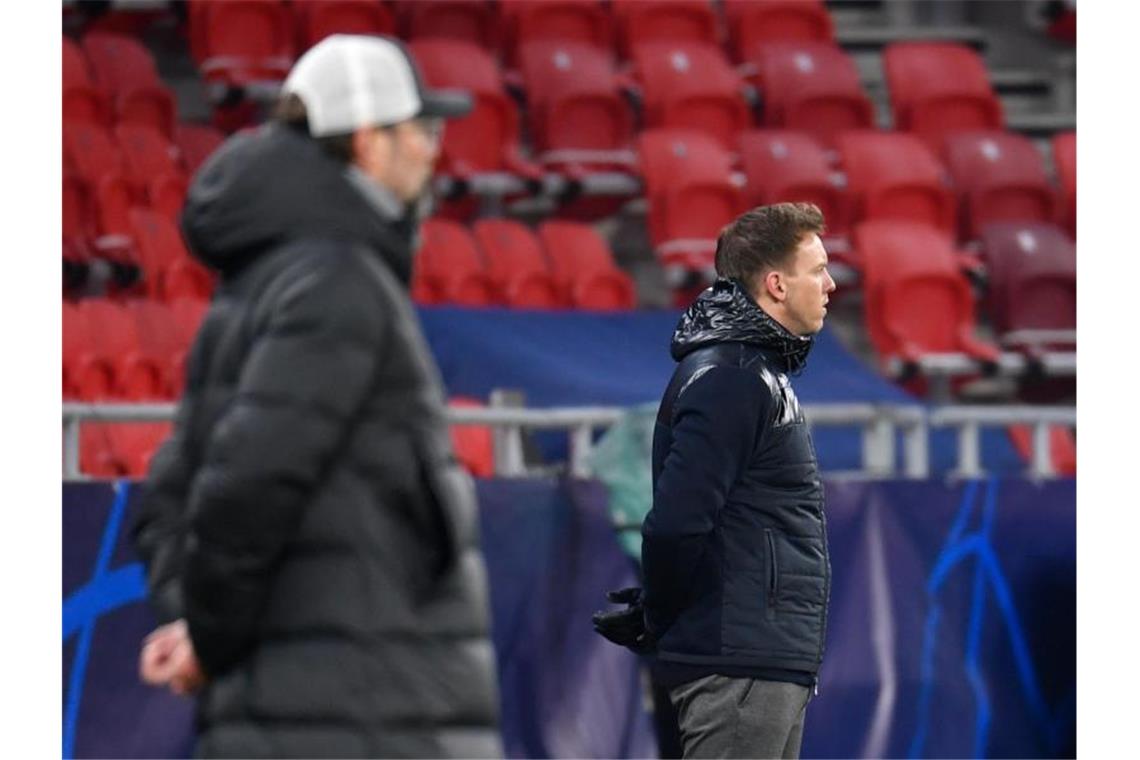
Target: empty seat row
[561,265]
[111,79]
[693,190]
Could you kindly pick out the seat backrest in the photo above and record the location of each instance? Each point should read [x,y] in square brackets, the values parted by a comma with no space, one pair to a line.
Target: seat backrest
[573,97]
[584,267]
[812,86]
[195,143]
[893,175]
[641,21]
[1032,271]
[691,86]
[75,68]
[471,21]
[317,20]
[449,259]
[783,165]
[119,63]
[251,29]
[915,294]
[90,152]
[1065,161]
[146,153]
[516,263]
[474,444]
[582,21]
[751,24]
[479,139]
[937,88]
[86,375]
[1001,177]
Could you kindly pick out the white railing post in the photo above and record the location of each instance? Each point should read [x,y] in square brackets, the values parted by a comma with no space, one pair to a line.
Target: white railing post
[969,450]
[879,446]
[1042,451]
[916,453]
[581,443]
[71,448]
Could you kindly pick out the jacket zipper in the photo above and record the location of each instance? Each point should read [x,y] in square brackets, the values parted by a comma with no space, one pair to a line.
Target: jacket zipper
[773,586]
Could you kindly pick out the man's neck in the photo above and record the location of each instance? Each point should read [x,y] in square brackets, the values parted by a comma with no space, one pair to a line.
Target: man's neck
[378,196]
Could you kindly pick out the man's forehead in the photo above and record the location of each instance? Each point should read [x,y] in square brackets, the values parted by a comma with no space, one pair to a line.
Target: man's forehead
[811,250]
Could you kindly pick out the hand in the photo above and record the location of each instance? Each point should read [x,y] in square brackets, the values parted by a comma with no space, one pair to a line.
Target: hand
[625,627]
[168,658]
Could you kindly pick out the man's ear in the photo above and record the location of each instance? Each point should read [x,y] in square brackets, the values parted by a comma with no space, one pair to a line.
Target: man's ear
[774,285]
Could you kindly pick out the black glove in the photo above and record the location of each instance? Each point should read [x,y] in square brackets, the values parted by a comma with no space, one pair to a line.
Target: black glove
[625,627]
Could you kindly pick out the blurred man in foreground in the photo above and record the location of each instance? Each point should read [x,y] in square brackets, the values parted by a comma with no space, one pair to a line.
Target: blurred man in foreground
[734,552]
[309,539]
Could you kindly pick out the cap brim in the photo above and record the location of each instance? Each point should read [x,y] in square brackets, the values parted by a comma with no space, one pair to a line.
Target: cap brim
[446,104]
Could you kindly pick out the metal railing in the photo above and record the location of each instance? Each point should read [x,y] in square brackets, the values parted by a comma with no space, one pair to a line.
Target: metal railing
[880,424]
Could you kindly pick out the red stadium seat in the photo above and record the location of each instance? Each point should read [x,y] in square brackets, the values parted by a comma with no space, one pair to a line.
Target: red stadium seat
[783,166]
[582,21]
[752,24]
[1032,270]
[641,21]
[691,86]
[152,168]
[691,194]
[812,86]
[78,216]
[471,21]
[918,302]
[938,88]
[317,19]
[94,159]
[487,139]
[891,175]
[241,42]
[195,144]
[474,444]
[578,116]
[166,332]
[1065,160]
[119,450]
[449,269]
[125,70]
[170,272]
[87,374]
[1000,177]
[136,375]
[82,101]
[516,264]
[584,268]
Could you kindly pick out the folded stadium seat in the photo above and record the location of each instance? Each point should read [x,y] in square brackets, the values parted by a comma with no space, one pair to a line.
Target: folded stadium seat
[938,88]
[516,264]
[152,168]
[94,160]
[169,271]
[582,21]
[449,268]
[119,450]
[691,86]
[783,165]
[82,101]
[1032,271]
[692,195]
[1000,176]
[917,301]
[1062,447]
[195,144]
[892,175]
[317,19]
[474,444]
[472,21]
[487,139]
[136,374]
[584,268]
[1065,161]
[241,42]
[811,86]
[752,24]
[640,21]
[125,70]
[579,119]
[160,338]
[87,375]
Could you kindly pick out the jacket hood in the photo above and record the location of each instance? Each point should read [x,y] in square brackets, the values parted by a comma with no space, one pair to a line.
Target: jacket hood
[725,313]
[265,188]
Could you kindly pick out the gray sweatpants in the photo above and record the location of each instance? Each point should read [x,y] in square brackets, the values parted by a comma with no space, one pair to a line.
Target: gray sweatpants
[740,717]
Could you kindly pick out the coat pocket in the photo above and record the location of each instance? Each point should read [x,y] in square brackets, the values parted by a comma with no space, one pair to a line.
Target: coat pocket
[450,502]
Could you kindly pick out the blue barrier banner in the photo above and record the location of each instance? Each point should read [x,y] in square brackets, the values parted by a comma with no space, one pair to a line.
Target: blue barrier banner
[952,630]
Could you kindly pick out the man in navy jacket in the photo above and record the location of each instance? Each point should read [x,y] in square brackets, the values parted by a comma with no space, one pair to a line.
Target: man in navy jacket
[735,557]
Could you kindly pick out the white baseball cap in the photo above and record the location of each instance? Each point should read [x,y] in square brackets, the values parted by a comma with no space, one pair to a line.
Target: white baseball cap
[347,81]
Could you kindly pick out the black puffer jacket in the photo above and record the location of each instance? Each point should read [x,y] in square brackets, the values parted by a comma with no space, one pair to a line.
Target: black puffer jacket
[307,517]
[735,554]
